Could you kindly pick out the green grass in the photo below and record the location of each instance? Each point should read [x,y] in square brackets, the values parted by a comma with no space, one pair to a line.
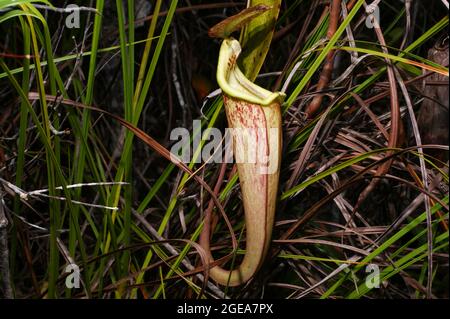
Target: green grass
[127,70]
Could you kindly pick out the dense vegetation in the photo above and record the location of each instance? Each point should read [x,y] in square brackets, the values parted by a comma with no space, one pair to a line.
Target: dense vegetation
[364,173]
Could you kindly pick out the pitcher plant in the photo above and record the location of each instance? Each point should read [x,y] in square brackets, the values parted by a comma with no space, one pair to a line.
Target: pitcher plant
[254,114]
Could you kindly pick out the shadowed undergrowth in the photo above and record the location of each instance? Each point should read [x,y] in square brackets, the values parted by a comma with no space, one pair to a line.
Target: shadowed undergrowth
[86,179]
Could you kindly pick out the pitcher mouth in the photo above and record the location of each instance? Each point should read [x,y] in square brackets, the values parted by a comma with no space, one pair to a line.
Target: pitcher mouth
[234,83]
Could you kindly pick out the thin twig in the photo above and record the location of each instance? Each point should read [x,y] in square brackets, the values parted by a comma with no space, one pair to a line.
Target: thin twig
[325,76]
[423,171]
[5,275]
[65,10]
[396,124]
